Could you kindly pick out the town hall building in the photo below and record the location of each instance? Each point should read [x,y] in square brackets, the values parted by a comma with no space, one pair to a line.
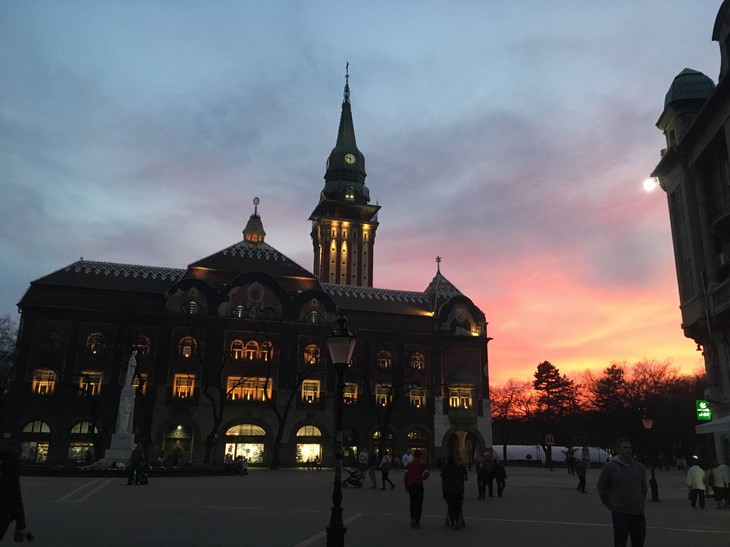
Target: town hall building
[231,350]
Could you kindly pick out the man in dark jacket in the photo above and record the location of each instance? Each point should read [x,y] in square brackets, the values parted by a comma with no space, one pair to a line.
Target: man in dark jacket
[11,502]
[452,486]
[622,486]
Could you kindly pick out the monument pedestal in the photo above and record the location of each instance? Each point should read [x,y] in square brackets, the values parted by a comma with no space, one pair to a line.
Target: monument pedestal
[119,452]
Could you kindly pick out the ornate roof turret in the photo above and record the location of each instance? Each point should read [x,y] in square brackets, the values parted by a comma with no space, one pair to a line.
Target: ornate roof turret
[689,84]
[345,175]
[254,230]
[440,289]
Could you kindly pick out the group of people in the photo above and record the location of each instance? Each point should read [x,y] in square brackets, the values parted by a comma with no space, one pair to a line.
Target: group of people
[717,477]
[490,470]
[237,465]
[369,462]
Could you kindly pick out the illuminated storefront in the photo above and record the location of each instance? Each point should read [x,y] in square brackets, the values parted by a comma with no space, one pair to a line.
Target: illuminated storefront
[247,440]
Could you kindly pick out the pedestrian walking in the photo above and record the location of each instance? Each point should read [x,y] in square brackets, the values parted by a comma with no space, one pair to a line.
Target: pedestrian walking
[452,488]
[481,470]
[717,481]
[136,465]
[581,469]
[622,487]
[696,482]
[725,470]
[372,466]
[500,477]
[406,458]
[11,500]
[416,472]
[489,466]
[362,461]
[384,466]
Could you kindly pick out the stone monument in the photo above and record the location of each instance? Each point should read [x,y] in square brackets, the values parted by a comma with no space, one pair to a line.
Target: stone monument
[123,437]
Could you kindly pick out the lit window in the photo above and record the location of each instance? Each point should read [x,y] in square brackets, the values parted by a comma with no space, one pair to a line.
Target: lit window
[239,311]
[188,345]
[417,435]
[237,349]
[310,391]
[44,382]
[256,389]
[461,397]
[350,193]
[36,427]
[418,361]
[84,428]
[267,351]
[234,388]
[349,393]
[384,359]
[309,431]
[313,317]
[141,345]
[90,383]
[251,351]
[245,430]
[139,382]
[311,354]
[192,308]
[95,343]
[184,386]
[417,396]
[382,395]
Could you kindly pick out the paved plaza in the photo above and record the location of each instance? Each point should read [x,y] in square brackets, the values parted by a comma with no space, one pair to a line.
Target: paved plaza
[291,508]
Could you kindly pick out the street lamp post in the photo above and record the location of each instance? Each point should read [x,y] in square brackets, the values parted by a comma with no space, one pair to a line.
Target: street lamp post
[648,422]
[341,344]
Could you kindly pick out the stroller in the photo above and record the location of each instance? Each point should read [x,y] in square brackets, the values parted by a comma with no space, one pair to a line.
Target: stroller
[354,480]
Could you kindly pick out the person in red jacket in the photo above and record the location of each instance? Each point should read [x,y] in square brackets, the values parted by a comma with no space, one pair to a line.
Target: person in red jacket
[416,473]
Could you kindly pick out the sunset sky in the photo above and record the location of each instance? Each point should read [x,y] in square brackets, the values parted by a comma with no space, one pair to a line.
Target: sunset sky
[510,138]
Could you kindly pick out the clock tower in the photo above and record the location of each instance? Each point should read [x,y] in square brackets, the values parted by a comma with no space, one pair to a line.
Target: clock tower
[343,222]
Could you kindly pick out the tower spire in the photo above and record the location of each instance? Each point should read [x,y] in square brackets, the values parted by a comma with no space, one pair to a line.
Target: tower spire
[347,83]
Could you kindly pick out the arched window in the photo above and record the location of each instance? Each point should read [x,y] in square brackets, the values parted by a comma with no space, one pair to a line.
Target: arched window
[418,361]
[313,317]
[83,428]
[266,351]
[311,354]
[36,427]
[95,343]
[246,430]
[239,311]
[417,435]
[192,308]
[187,347]
[384,359]
[237,349]
[142,345]
[252,350]
[309,431]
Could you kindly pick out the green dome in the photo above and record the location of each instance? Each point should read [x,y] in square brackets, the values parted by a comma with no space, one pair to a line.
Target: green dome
[689,84]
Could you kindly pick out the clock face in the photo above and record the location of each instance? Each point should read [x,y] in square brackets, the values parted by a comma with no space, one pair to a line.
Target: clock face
[349,158]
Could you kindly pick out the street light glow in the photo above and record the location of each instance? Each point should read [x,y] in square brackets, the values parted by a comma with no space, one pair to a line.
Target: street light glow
[650,184]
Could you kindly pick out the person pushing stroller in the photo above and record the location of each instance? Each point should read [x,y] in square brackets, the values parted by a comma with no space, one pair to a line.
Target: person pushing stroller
[452,486]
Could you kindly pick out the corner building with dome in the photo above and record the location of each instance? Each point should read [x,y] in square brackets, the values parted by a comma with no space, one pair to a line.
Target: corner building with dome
[232,356]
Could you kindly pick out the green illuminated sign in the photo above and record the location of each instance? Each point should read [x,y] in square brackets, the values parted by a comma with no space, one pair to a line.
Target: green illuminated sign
[704,414]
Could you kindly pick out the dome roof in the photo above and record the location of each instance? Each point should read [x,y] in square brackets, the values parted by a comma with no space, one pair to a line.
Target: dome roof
[689,84]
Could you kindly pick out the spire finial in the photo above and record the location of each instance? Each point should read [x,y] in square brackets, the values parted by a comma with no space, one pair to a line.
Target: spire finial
[438,264]
[347,82]
[256,202]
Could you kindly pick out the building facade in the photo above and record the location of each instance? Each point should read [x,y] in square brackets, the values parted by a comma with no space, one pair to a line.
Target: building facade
[231,351]
[694,171]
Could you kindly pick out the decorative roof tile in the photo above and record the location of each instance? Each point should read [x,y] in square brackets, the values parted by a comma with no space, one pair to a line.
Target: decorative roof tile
[388,295]
[114,269]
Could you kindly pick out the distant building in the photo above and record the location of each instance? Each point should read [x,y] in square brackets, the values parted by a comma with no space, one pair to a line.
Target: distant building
[232,353]
[694,171]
